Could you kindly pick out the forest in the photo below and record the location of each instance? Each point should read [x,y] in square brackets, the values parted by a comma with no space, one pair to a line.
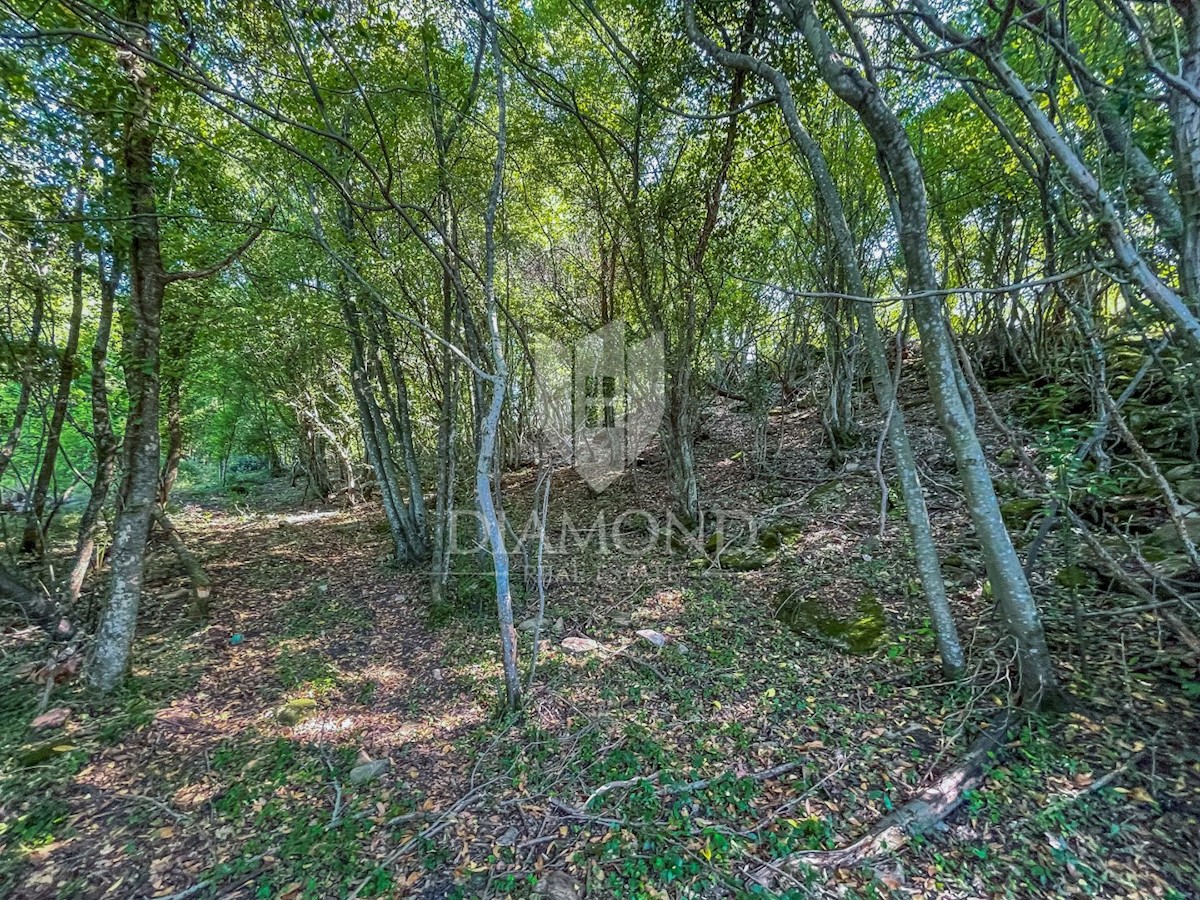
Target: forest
[599,448]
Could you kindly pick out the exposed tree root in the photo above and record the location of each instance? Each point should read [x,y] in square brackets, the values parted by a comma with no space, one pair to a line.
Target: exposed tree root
[919,815]
[201,588]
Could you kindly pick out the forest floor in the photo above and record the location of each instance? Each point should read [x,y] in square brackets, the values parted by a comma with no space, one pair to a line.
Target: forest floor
[223,768]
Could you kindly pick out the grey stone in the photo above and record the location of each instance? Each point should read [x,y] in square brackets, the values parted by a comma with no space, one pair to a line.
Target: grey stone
[1189,489]
[559,886]
[580,645]
[296,711]
[656,638]
[1180,473]
[368,771]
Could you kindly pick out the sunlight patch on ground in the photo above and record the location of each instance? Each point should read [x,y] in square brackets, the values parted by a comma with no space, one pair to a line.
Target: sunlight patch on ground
[321,725]
[315,516]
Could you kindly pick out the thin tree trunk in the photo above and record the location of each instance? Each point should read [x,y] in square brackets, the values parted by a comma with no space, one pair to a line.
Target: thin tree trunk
[490,424]
[27,376]
[105,440]
[925,552]
[1185,137]
[1037,680]
[201,589]
[34,537]
[118,623]
[170,468]
[1098,202]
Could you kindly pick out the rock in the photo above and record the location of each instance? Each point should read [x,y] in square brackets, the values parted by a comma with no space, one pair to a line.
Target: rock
[509,837]
[368,771]
[1073,577]
[529,625]
[1180,473]
[40,753]
[54,718]
[746,561]
[1017,513]
[622,620]
[1189,489]
[580,645]
[559,625]
[1166,538]
[654,637]
[295,711]
[559,886]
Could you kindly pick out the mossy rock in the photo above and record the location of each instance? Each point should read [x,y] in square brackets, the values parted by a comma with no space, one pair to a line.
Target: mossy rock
[775,536]
[295,711]
[1018,512]
[746,560]
[860,633]
[1074,577]
[1189,489]
[1180,471]
[39,753]
[1166,537]
[824,491]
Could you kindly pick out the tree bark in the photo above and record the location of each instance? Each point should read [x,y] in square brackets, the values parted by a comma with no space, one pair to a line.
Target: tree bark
[118,623]
[34,537]
[490,424]
[28,373]
[170,467]
[928,567]
[1038,683]
[102,434]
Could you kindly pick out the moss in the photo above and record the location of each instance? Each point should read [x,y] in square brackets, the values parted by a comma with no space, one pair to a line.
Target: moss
[1074,577]
[746,560]
[1018,512]
[775,536]
[296,711]
[860,633]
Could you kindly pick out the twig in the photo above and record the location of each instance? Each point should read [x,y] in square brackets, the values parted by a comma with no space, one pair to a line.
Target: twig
[443,822]
[209,882]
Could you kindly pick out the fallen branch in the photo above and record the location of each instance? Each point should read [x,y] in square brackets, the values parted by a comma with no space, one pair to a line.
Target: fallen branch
[444,820]
[918,816]
[201,588]
[701,784]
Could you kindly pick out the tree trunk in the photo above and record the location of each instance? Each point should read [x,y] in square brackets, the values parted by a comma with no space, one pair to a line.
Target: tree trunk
[1097,201]
[201,589]
[105,440]
[490,424]
[28,370]
[1037,680]
[114,638]
[170,468]
[928,567]
[34,537]
[1185,137]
